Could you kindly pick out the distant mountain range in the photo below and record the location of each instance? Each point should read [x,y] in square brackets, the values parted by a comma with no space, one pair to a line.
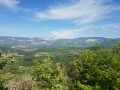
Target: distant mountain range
[82,41]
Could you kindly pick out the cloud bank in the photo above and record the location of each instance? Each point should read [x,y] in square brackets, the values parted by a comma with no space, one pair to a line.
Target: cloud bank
[74,33]
[11,4]
[64,34]
[80,12]
[70,33]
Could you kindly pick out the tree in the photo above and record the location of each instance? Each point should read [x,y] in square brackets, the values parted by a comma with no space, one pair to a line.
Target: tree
[96,71]
[95,48]
[49,75]
[5,61]
[116,48]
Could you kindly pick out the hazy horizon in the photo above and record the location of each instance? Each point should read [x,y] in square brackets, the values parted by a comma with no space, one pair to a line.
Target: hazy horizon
[60,19]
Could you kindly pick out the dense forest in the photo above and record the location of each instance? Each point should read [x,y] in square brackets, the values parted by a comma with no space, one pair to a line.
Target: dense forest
[60,68]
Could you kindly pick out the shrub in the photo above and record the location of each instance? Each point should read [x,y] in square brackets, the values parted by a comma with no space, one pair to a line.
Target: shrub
[5,61]
[23,82]
[49,75]
[99,70]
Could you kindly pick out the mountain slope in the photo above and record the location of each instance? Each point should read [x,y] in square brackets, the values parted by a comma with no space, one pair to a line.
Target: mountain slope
[82,41]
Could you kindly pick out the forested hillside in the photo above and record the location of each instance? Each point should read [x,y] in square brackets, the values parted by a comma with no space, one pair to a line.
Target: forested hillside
[60,68]
[81,41]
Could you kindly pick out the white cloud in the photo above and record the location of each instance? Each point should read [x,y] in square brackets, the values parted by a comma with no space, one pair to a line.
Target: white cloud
[11,4]
[70,33]
[64,34]
[81,11]
[111,27]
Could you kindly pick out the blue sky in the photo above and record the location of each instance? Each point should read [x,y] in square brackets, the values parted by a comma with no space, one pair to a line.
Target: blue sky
[60,18]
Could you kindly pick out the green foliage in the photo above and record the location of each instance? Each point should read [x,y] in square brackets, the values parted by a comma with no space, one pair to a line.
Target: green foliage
[5,61]
[96,70]
[2,80]
[116,48]
[93,69]
[96,47]
[49,75]
[83,87]
[34,88]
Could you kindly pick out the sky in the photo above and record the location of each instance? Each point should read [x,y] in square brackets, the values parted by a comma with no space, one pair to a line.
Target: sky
[60,19]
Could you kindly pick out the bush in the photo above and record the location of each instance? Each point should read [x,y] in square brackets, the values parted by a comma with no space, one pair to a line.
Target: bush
[96,69]
[116,48]
[23,82]
[49,75]
[2,80]
[5,61]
